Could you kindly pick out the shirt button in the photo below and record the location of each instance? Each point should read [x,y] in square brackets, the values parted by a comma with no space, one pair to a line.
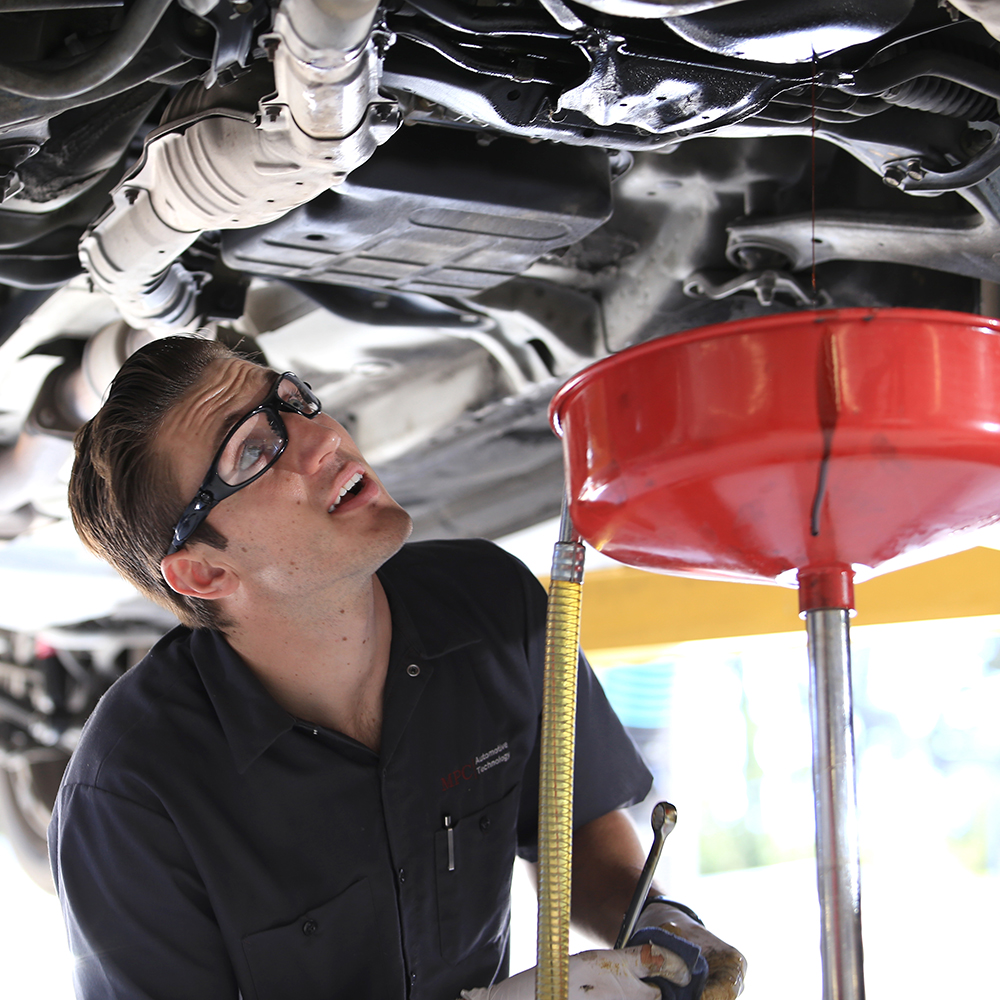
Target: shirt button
[413,670]
[309,927]
[402,875]
[484,823]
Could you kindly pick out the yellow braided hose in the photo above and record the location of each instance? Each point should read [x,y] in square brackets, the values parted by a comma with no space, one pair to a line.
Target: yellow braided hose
[555,827]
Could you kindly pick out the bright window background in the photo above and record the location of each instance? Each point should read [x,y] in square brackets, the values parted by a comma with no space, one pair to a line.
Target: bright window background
[725,727]
[724,724]
[34,959]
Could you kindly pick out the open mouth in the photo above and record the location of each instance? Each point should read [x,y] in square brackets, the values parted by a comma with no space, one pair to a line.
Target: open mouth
[351,488]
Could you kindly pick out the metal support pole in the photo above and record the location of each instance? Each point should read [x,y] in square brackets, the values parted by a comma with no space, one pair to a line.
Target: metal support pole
[837,860]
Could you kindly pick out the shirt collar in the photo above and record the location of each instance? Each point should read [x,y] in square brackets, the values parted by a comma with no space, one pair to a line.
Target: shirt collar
[250,718]
[428,627]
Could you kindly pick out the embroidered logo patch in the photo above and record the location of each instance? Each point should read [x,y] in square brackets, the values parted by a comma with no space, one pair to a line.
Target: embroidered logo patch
[491,758]
[500,754]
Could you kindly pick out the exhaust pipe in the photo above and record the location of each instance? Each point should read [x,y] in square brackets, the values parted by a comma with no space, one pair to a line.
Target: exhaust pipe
[213,167]
[71,394]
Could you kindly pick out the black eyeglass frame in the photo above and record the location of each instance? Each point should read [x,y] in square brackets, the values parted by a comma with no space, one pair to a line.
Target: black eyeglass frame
[214,489]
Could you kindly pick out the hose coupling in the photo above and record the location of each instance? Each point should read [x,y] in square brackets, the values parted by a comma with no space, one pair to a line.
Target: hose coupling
[567,562]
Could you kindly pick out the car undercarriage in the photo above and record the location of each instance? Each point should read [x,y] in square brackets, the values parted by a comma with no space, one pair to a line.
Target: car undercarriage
[435,211]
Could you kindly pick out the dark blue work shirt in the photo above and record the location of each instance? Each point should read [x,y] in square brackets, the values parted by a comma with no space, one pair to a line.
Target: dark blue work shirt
[206,844]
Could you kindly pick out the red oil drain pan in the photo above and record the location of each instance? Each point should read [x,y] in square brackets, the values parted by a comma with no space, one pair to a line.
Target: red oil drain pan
[820,442]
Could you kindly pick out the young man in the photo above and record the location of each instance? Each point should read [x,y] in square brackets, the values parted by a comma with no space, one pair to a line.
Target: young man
[315,788]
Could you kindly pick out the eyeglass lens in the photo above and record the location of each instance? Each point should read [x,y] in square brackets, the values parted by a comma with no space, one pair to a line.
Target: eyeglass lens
[253,446]
[257,440]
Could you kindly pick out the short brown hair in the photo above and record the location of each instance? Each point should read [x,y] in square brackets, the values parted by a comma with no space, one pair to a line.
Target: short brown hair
[122,495]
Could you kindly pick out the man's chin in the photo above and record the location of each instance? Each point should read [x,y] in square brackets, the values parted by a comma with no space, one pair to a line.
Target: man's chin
[405,526]
[395,527]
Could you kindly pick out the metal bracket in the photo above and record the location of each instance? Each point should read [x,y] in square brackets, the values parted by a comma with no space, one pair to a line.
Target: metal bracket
[764,284]
[912,176]
[955,244]
[234,25]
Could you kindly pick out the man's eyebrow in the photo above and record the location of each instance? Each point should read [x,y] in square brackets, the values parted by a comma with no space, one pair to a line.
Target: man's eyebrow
[235,416]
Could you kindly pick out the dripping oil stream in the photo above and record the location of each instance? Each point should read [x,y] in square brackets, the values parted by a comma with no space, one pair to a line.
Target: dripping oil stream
[826,389]
[827,409]
[812,186]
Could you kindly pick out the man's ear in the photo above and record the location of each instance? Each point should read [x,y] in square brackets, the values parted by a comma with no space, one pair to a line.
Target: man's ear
[194,573]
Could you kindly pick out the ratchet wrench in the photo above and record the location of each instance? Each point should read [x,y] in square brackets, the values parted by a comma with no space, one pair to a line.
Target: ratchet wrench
[663,820]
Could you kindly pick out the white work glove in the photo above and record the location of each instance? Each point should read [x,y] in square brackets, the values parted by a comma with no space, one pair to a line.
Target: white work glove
[599,975]
[726,966]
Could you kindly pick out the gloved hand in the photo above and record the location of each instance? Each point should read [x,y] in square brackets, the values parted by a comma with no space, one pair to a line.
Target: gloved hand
[726,966]
[600,975]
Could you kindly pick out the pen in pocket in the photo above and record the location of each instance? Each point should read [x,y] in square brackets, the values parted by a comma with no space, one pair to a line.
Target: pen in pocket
[451,843]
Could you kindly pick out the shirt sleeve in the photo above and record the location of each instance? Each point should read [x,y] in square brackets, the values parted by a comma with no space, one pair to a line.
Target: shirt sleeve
[138,919]
[609,773]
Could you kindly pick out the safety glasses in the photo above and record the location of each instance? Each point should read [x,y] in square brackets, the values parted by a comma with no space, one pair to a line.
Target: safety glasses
[251,447]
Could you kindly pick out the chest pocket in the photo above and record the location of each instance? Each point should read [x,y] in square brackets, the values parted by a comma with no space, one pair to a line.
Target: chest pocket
[324,954]
[474,897]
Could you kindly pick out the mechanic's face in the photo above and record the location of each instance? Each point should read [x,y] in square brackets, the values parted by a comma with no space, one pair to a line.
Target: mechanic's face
[318,515]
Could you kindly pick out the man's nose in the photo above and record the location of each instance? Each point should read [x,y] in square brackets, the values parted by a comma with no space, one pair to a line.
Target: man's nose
[312,441]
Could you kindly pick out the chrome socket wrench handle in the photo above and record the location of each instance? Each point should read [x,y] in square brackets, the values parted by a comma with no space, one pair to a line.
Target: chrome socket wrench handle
[663,820]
